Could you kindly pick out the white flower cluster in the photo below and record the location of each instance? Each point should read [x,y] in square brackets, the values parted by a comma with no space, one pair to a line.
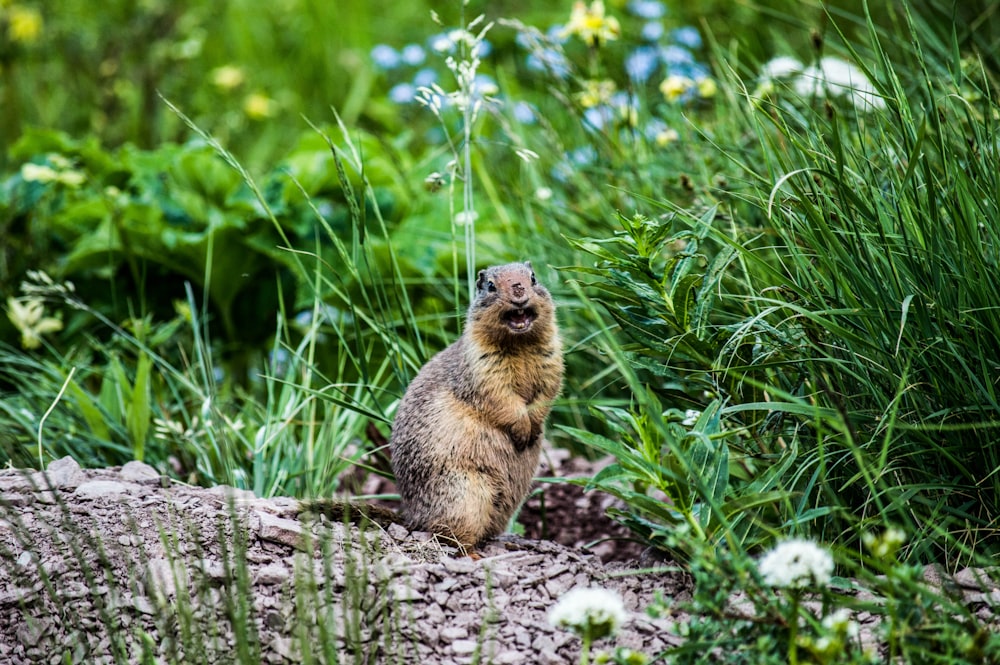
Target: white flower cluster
[595,613]
[796,564]
[830,76]
[472,91]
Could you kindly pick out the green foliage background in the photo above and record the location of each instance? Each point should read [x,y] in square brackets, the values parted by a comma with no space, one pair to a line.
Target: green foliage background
[783,318]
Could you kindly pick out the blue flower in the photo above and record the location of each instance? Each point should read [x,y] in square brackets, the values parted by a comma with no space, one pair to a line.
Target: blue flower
[413,55]
[385,57]
[641,63]
[484,48]
[425,77]
[402,93]
[523,113]
[647,8]
[583,156]
[652,31]
[596,117]
[675,55]
[687,36]
[550,61]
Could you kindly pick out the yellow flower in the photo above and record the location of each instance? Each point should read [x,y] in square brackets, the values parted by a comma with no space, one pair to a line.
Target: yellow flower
[591,25]
[228,77]
[258,106]
[25,24]
[707,87]
[27,317]
[666,137]
[596,93]
[674,86]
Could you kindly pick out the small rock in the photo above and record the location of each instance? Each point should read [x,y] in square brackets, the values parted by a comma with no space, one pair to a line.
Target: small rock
[161,577]
[463,647]
[143,605]
[509,658]
[139,472]
[278,530]
[451,633]
[233,494]
[397,531]
[97,488]
[461,566]
[272,573]
[64,473]
[974,578]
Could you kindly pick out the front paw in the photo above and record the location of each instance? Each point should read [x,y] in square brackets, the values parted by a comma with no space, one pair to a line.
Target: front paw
[521,434]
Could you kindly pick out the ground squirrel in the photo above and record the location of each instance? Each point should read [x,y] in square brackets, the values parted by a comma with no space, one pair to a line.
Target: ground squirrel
[467,436]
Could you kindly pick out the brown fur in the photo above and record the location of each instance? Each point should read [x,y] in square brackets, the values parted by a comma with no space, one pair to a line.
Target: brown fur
[468,432]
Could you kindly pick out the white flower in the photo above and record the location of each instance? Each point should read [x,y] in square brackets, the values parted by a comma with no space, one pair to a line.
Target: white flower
[780,67]
[690,417]
[839,77]
[595,613]
[796,564]
[841,623]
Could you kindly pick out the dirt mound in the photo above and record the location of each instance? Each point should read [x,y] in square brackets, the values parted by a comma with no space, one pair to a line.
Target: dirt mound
[123,565]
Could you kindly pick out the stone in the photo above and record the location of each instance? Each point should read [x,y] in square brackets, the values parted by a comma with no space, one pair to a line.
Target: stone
[272,573]
[93,489]
[278,529]
[64,473]
[139,472]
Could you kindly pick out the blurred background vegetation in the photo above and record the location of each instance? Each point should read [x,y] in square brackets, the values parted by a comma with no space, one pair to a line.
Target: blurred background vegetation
[779,303]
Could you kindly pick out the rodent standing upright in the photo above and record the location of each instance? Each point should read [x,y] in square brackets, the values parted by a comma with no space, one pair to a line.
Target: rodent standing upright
[468,433]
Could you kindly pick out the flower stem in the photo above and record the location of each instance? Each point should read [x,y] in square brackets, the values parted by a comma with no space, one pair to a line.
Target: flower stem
[793,631]
[585,649]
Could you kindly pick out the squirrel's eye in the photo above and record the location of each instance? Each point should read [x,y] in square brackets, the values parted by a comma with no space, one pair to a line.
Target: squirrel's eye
[533,281]
[491,287]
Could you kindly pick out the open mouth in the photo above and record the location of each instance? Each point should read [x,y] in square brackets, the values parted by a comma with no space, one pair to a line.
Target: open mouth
[519,319]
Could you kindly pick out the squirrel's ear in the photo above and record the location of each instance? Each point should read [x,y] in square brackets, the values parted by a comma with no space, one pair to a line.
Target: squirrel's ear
[481,280]
[528,265]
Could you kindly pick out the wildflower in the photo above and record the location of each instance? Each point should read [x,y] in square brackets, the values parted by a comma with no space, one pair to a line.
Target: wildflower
[523,113]
[228,77]
[403,93]
[641,63]
[780,67]
[675,86]
[664,136]
[652,31]
[840,622]
[543,194]
[839,77]
[884,546]
[595,93]
[258,106]
[687,36]
[675,56]
[648,9]
[28,317]
[795,564]
[425,77]
[707,87]
[591,25]
[691,415]
[385,57]
[590,613]
[24,24]
[413,55]
[549,60]
[442,43]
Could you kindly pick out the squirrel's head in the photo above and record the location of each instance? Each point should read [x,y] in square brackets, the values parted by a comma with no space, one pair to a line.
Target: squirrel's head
[509,300]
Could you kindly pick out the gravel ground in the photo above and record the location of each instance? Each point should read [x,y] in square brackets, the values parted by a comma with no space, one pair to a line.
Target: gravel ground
[128,549]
